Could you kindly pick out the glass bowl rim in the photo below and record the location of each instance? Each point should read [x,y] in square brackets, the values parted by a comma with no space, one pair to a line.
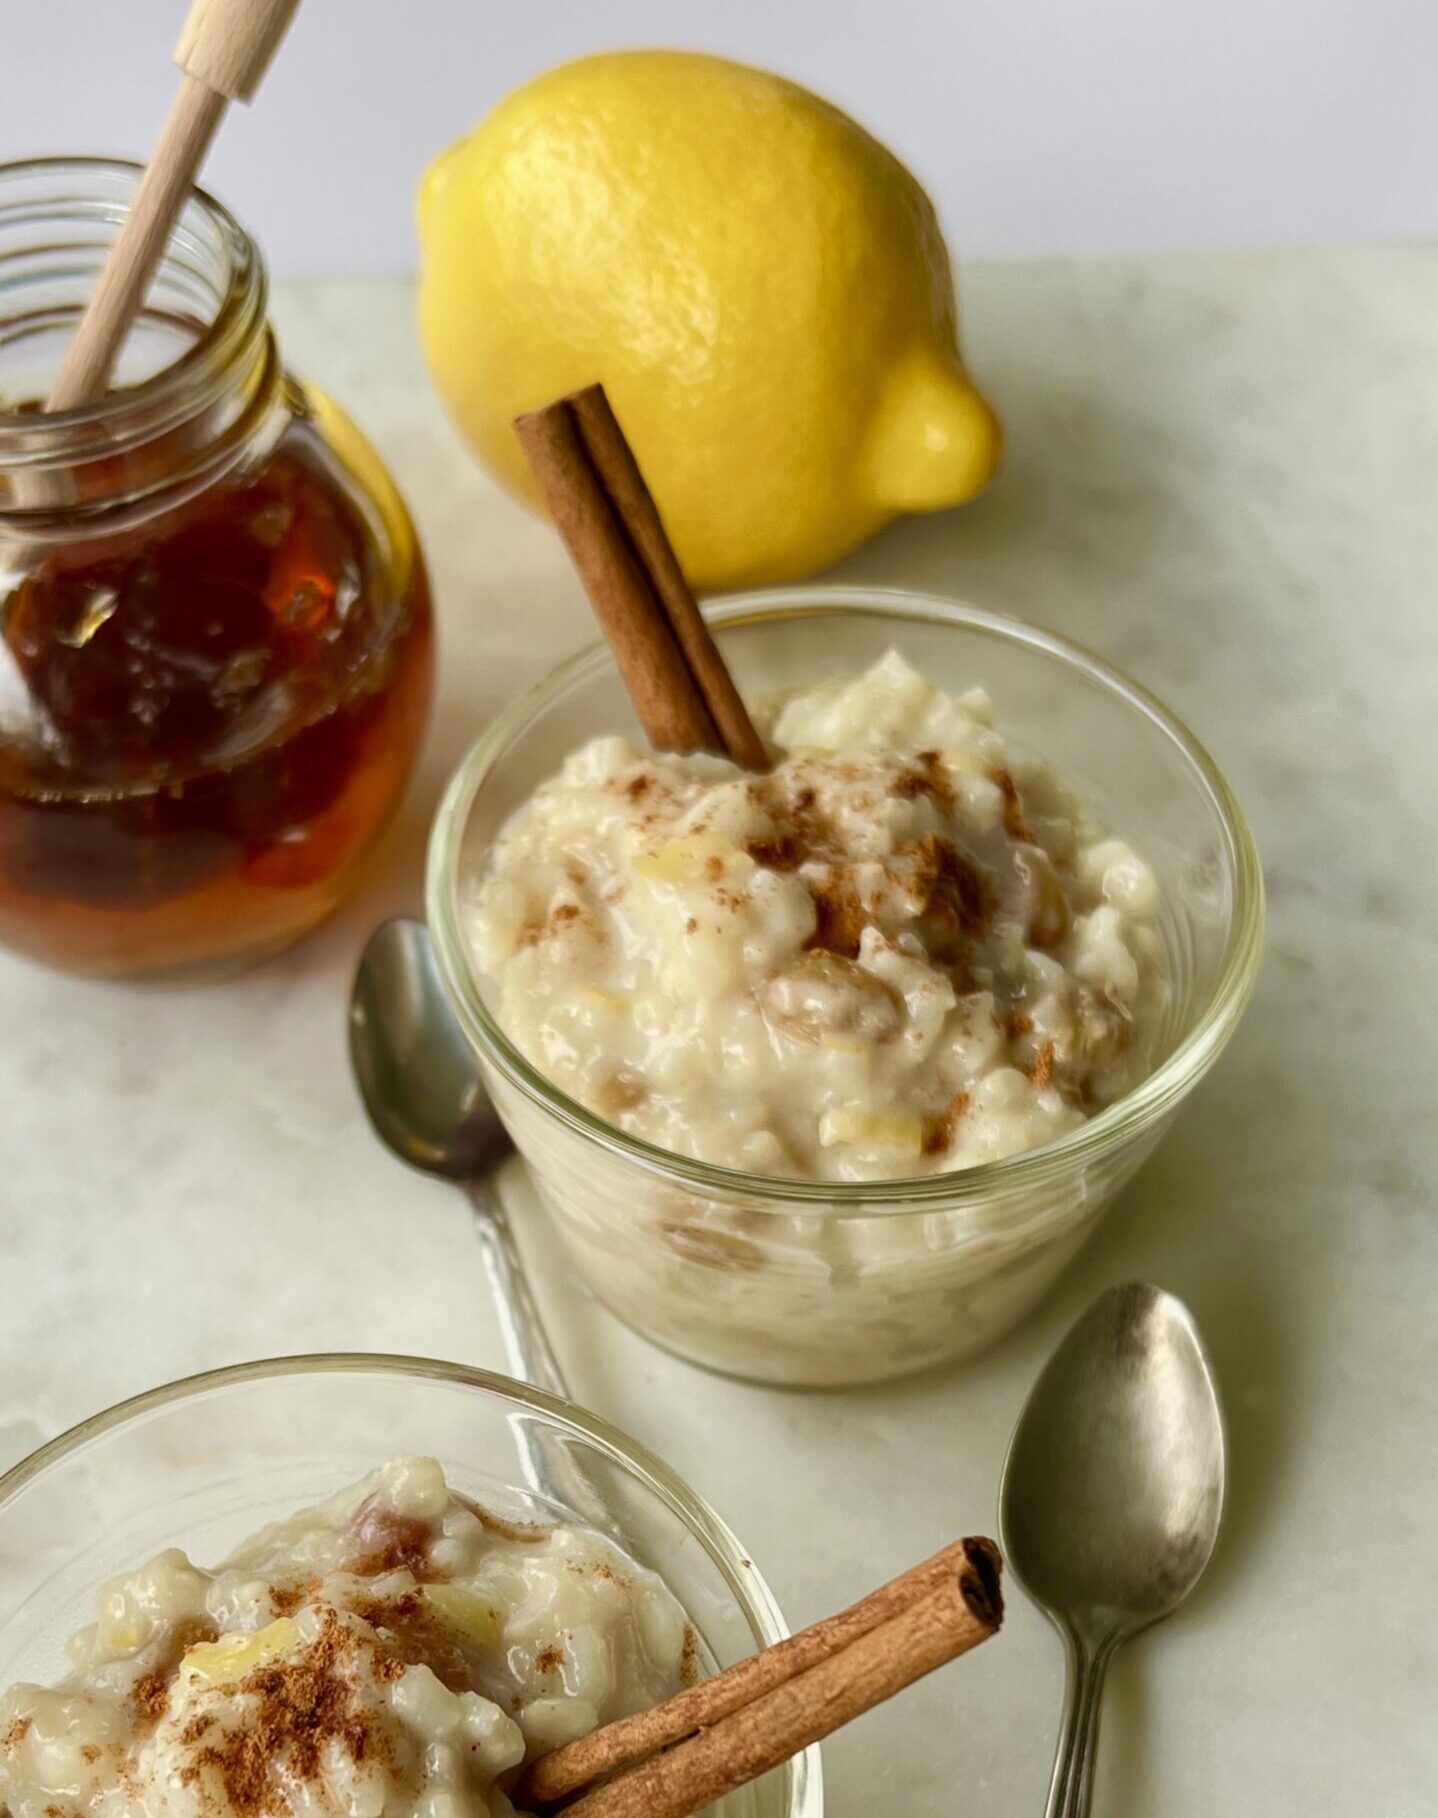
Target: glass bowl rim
[1127,1118]
[746,1583]
[697,1516]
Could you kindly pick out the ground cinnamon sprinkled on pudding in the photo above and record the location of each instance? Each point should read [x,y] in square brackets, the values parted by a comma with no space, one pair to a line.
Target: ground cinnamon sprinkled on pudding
[951,888]
[387,1542]
[839,918]
[373,1694]
[927,777]
[1014,823]
[150,1694]
[973,909]
[385,1612]
[939,1131]
[416,1634]
[150,1697]
[301,1710]
[780,852]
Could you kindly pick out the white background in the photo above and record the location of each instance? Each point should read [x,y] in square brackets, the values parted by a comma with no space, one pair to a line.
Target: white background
[1038,125]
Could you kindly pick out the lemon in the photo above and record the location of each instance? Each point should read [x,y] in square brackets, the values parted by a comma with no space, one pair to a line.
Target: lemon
[761,287]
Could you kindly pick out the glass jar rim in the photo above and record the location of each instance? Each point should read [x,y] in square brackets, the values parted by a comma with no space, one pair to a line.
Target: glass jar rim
[163,398]
[1136,1111]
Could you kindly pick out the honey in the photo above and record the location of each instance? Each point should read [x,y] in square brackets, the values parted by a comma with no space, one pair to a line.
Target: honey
[230,710]
[215,664]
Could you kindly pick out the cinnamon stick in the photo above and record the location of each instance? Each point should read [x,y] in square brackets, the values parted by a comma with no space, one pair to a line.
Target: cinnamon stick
[602,508]
[614,459]
[733,1727]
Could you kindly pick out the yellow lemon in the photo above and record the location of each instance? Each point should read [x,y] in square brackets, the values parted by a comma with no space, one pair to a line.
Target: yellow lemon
[761,287]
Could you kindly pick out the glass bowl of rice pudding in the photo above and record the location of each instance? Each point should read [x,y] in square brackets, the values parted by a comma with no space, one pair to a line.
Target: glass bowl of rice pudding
[350,1585]
[825,1075]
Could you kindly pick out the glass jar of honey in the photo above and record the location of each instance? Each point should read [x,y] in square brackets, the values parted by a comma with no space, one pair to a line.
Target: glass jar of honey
[215,630]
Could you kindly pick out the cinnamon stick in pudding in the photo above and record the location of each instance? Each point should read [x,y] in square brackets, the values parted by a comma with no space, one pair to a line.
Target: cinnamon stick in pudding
[619,470]
[596,495]
[730,1729]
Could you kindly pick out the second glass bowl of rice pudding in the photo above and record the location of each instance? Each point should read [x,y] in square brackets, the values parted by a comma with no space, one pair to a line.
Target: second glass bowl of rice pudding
[826,1073]
[217,1602]
[395,1648]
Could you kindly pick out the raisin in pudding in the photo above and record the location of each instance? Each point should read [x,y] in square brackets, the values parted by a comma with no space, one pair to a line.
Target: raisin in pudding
[899,952]
[396,1652]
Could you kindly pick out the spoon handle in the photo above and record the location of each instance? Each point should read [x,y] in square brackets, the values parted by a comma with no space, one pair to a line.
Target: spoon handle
[526,1343]
[1071,1790]
[551,1467]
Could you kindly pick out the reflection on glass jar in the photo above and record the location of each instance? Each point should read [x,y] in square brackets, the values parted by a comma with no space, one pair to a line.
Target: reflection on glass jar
[215,629]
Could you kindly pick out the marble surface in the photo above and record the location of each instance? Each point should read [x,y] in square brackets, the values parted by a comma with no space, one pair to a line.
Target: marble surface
[1221,474]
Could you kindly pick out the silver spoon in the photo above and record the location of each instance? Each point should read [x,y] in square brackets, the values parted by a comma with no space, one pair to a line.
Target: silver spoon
[1112,1496]
[420,1083]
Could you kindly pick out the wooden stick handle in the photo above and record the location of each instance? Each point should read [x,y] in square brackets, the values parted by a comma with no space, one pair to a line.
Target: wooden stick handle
[945,1623]
[224,49]
[555,1776]
[189,128]
[228,44]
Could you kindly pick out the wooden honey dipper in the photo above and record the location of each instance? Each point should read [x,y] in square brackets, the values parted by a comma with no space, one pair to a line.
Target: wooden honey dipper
[224,49]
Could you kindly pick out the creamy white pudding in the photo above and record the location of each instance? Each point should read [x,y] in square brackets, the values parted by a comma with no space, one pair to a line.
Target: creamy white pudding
[900,951]
[396,1652]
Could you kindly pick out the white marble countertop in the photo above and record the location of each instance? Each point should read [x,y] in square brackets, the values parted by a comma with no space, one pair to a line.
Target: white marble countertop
[1222,474]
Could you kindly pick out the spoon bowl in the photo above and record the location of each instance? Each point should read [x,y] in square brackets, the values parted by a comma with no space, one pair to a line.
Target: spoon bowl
[1113,1495]
[1113,1488]
[416,1072]
[423,1093]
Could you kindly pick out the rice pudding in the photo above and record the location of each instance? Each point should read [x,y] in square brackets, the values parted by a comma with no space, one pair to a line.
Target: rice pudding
[901,951]
[396,1652]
